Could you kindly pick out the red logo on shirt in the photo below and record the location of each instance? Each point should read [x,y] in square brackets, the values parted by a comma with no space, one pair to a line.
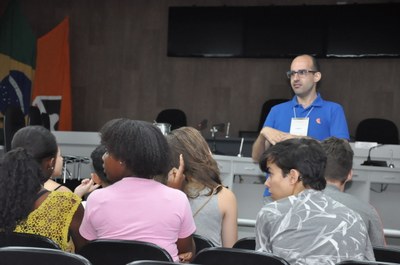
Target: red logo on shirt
[318,120]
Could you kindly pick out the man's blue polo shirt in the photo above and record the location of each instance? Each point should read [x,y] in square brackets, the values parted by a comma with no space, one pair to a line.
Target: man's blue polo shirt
[326,118]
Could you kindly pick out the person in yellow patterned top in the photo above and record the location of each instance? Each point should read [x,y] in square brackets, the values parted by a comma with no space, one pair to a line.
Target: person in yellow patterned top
[25,205]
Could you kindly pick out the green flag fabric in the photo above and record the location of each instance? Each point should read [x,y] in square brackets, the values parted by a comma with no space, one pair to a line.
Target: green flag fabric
[17,59]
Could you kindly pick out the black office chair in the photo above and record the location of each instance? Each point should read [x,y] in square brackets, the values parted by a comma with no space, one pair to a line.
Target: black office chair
[175,117]
[13,121]
[46,120]
[382,131]
[42,256]
[359,262]
[235,256]
[246,243]
[26,240]
[34,116]
[248,134]
[121,252]
[266,108]
[387,254]
[202,242]
[155,262]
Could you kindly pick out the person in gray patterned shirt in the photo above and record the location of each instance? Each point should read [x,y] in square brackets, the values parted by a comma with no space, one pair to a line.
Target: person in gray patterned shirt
[302,224]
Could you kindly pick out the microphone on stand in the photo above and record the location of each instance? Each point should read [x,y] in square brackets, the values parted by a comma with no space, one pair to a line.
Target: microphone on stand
[377,163]
[227,130]
[214,129]
[391,165]
[240,148]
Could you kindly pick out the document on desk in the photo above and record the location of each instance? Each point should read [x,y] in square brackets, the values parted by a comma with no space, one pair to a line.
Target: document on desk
[365,145]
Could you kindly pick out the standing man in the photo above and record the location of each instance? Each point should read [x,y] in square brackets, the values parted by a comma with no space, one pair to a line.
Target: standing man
[303,225]
[338,172]
[307,114]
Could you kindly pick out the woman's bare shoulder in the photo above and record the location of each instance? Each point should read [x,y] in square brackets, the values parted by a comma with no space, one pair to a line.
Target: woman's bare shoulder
[226,195]
[53,185]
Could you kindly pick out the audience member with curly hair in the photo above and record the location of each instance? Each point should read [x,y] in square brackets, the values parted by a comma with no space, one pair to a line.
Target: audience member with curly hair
[20,181]
[42,144]
[136,206]
[26,206]
[55,214]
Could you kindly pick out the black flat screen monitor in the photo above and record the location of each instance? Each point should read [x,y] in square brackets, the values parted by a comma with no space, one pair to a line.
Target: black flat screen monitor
[370,30]
[205,32]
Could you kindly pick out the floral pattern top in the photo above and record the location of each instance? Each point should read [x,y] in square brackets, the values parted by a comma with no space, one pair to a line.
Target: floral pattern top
[53,218]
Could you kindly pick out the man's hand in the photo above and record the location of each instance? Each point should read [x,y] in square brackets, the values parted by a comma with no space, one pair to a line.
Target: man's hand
[268,136]
[274,136]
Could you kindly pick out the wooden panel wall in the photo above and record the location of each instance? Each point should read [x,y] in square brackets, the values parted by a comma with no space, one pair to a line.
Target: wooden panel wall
[119,68]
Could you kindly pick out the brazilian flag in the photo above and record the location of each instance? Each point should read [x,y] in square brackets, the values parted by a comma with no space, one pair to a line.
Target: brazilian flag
[17,59]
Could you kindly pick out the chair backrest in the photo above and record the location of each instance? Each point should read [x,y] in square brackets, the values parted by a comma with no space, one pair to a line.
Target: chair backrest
[42,256]
[266,108]
[202,242]
[359,262]
[26,240]
[154,262]
[249,134]
[121,252]
[382,131]
[246,243]
[46,120]
[235,256]
[175,117]
[387,254]
[13,121]
[34,116]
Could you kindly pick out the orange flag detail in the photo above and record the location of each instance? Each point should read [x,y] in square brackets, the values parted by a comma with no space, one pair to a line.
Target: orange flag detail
[52,83]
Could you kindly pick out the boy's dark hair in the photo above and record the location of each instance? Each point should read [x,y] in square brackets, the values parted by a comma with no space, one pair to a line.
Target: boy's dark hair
[303,154]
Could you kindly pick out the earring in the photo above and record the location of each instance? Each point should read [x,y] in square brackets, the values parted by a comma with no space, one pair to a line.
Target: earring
[120,162]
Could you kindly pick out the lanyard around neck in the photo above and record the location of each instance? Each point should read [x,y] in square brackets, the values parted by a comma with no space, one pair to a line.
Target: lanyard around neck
[295,116]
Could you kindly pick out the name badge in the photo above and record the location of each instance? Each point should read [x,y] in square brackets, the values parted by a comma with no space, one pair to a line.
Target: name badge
[299,126]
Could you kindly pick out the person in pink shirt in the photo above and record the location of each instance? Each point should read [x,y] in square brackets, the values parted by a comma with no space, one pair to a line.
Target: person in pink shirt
[136,206]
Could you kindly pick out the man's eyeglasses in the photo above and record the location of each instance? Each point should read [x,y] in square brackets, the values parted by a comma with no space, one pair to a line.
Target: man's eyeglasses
[301,73]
